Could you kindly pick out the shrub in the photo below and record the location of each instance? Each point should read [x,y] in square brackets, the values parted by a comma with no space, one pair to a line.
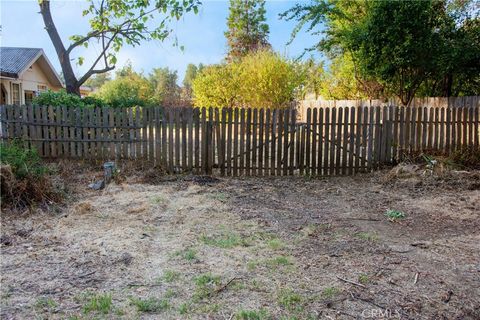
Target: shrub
[24,179]
[263,79]
[64,99]
[22,161]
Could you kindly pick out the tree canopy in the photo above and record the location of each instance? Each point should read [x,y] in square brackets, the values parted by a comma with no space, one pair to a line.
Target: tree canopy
[247,28]
[113,24]
[398,47]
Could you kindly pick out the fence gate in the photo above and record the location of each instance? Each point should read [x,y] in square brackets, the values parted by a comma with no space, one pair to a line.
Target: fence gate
[243,142]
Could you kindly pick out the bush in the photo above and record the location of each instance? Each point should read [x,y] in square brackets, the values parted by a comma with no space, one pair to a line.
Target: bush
[263,79]
[24,178]
[62,98]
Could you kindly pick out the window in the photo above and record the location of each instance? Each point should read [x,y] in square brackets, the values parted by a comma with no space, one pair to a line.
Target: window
[42,88]
[16,94]
[29,97]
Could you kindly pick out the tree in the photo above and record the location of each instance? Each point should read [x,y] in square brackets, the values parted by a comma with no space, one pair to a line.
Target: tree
[128,89]
[247,30]
[217,86]
[113,23]
[165,88]
[262,79]
[399,47]
[98,80]
[190,75]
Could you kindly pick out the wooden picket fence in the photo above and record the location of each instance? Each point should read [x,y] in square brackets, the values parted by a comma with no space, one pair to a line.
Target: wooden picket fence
[238,142]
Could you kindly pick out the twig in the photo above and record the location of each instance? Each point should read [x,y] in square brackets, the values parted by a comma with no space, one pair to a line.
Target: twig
[86,274]
[226,285]
[416,278]
[351,282]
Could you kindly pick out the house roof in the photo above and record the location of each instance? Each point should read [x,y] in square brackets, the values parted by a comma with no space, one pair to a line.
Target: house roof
[14,61]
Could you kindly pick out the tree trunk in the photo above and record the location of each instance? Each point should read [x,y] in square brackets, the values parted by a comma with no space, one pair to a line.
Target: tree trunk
[71,82]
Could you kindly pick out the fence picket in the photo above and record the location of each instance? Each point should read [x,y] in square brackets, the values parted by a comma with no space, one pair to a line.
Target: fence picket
[333,141]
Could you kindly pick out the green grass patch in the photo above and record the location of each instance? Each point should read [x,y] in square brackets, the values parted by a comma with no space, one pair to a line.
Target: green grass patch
[205,284]
[45,303]
[395,215]
[278,261]
[188,254]
[366,236]
[261,314]
[170,276]
[158,199]
[290,300]
[225,240]
[275,244]
[363,278]
[101,303]
[150,305]
[330,292]
[184,308]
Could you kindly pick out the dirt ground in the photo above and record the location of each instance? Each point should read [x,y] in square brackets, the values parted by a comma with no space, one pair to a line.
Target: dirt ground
[250,248]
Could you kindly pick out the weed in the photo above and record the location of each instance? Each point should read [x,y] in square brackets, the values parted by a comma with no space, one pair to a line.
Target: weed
[150,305]
[330,292]
[207,279]
[184,308]
[395,215]
[45,303]
[205,284]
[363,278]
[290,300]
[170,276]
[252,315]
[366,236]
[189,254]
[275,244]
[170,293]
[209,308]
[220,196]
[101,303]
[159,199]
[224,241]
[279,261]
[252,265]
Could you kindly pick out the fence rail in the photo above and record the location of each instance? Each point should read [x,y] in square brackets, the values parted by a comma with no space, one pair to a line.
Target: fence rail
[331,141]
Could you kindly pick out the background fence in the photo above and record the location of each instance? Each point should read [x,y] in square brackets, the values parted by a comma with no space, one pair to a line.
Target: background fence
[432,102]
[331,141]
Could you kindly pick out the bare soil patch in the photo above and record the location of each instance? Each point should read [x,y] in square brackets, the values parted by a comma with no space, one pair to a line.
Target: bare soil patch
[250,248]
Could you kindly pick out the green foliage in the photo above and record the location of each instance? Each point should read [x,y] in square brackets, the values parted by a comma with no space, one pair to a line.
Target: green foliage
[98,80]
[101,303]
[165,89]
[129,89]
[330,292]
[363,278]
[64,99]
[205,284]
[395,214]
[340,82]
[22,160]
[290,300]
[426,47]
[261,79]
[225,240]
[279,261]
[170,275]
[261,314]
[247,29]
[190,75]
[150,305]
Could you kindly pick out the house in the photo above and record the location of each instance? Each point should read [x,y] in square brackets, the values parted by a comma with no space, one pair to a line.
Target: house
[23,73]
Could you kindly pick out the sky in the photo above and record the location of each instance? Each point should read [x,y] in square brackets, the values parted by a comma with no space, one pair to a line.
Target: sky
[202,35]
